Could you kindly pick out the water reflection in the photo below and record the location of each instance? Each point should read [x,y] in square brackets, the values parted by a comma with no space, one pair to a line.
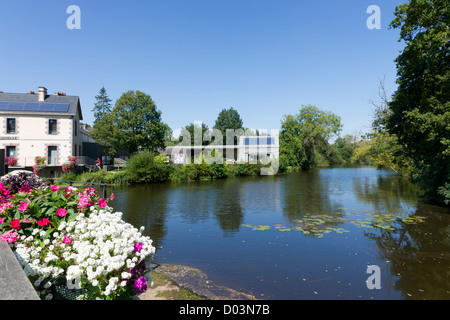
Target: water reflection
[310,193]
[418,254]
[386,192]
[340,217]
[144,205]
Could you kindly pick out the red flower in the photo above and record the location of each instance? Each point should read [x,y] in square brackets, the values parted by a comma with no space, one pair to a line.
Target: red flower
[15,224]
[43,222]
[25,189]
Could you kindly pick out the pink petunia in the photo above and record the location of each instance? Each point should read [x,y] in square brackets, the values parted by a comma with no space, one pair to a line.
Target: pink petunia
[102,203]
[54,188]
[23,207]
[137,247]
[61,212]
[2,220]
[67,240]
[9,237]
[83,202]
[112,196]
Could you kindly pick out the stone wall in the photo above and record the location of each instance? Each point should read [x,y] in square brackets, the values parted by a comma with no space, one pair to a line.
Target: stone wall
[14,284]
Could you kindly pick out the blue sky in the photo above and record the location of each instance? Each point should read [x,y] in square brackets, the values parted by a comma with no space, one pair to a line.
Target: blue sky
[264,58]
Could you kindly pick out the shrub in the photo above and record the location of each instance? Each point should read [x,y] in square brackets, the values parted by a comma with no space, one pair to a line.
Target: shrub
[70,165]
[187,172]
[16,180]
[146,167]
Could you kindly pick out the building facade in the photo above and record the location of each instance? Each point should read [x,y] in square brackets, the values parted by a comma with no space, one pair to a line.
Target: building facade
[250,149]
[41,125]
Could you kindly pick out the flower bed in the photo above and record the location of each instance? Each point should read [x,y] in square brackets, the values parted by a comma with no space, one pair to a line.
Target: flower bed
[68,233]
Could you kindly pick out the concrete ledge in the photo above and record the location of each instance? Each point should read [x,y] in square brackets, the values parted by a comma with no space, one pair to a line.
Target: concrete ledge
[14,284]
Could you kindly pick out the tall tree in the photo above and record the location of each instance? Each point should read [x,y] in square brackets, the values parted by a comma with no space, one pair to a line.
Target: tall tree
[306,135]
[228,119]
[133,124]
[103,104]
[192,128]
[420,108]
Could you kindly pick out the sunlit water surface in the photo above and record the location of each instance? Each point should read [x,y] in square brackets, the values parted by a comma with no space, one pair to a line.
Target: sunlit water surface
[308,235]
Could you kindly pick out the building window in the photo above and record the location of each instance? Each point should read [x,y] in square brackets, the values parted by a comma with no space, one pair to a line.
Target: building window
[52,155]
[52,126]
[10,125]
[10,151]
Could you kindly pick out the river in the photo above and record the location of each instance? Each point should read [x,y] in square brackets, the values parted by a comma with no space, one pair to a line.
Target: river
[307,235]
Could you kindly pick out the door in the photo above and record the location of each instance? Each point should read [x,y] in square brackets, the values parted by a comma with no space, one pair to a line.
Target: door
[52,155]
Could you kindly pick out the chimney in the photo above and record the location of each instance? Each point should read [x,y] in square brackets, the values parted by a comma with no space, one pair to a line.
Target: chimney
[42,93]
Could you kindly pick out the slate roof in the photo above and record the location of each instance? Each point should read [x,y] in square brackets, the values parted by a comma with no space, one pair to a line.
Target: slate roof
[73,101]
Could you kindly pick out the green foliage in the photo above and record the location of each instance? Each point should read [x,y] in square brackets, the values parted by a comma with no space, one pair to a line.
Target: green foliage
[146,167]
[384,152]
[103,104]
[101,176]
[304,137]
[228,119]
[192,128]
[420,108]
[133,124]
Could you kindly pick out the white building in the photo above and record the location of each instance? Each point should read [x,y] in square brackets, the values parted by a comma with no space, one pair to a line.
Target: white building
[258,148]
[38,124]
[251,149]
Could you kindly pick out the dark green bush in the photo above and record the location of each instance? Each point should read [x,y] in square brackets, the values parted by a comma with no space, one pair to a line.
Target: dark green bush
[147,167]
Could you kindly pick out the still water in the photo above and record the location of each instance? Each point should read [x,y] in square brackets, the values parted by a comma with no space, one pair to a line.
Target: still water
[308,235]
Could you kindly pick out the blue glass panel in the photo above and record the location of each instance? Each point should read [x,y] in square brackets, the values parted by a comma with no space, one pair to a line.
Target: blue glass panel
[46,107]
[61,108]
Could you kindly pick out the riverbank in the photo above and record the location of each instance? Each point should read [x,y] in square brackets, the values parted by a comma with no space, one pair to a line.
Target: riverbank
[178,282]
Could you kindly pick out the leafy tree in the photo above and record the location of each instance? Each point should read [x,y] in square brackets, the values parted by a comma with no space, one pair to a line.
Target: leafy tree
[228,119]
[192,127]
[344,147]
[420,108]
[133,124]
[305,136]
[103,104]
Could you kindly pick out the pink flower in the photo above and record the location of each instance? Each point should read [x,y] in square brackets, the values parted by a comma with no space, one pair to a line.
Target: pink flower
[83,202]
[54,188]
[61,212]
[23,207]
[89,191]
[140,285]
[2,220]
[137,247]
[67,240]
[102,202]
[112,196]
[43,222]
[9,237]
